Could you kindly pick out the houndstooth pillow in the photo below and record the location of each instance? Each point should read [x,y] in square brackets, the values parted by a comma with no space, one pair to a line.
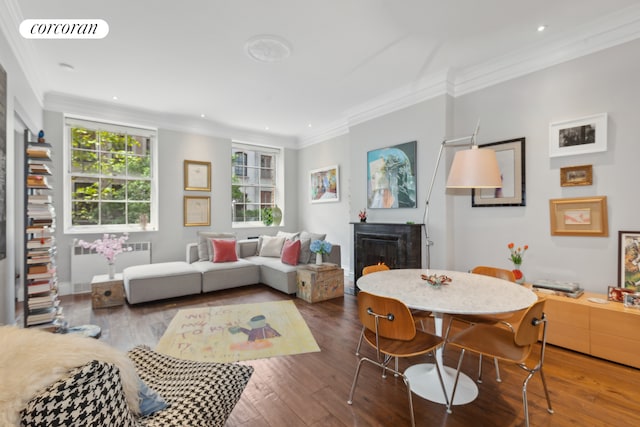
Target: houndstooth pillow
[198,393]
[90,395]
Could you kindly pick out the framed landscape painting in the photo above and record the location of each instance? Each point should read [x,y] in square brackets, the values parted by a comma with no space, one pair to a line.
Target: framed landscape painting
[391,177]
[324,185]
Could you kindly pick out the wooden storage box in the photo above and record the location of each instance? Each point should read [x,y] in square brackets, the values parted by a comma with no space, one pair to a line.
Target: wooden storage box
[320,282]
[107,292]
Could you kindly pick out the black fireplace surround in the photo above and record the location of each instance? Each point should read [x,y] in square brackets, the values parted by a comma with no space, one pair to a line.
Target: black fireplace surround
[396,245]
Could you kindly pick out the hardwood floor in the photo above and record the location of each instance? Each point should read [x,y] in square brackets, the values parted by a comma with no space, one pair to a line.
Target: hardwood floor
[312,389]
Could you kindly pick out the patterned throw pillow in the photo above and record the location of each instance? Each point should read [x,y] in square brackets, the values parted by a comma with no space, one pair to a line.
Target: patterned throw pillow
[198,393]
[90,395]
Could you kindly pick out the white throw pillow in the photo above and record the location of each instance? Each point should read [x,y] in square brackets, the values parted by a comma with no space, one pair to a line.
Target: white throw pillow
[271,246]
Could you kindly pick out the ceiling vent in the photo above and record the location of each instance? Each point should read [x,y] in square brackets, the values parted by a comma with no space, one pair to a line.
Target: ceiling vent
[267,48]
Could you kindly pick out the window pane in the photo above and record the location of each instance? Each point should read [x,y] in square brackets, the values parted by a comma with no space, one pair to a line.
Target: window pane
[136,210]
[84,213]
[84,188]
[113,164]
[139,166]
[83,138]
[112,141]
[113,189]
[112,213]
[84,161]
[139,190]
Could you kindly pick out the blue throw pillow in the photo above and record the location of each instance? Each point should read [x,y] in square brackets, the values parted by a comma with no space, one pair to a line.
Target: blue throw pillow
[150,400]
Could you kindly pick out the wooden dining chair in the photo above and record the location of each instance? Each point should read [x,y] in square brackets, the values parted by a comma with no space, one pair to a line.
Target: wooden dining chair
[509,346]
[490,319]
[391,330]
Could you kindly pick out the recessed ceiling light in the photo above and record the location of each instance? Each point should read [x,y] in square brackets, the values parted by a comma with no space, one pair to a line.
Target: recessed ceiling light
[541,28]
[202,115]
[67,67]
[267,48]
[309,125]
[115,98]
[266,128]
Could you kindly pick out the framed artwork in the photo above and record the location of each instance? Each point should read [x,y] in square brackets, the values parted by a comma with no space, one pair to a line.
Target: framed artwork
[629,260]
[510,155]
[617,294]
[631,301]
[197,175]
[324,185]
[576,175]
[579,136]
[391,177]
[197,211]
[579,216]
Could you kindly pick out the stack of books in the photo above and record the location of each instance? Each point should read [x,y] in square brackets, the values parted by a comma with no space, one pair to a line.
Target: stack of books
[37,181]
[556,287]
[38,152]
[39,168]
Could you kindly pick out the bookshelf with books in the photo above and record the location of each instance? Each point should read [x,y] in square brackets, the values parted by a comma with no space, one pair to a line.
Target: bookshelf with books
[41,304]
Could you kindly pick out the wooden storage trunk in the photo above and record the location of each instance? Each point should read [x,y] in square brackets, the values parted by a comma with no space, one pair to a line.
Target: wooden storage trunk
[320,282]
[107,292]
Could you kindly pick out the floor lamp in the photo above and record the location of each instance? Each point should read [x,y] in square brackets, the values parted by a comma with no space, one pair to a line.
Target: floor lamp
[471,168]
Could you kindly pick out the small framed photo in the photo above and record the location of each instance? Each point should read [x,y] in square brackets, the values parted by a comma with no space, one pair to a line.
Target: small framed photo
[197,176]
[632,301]
[579,216]
[324,185]
[579,136]
[617,294]
[510,155]
[197,211]
[629,260]
[576,175]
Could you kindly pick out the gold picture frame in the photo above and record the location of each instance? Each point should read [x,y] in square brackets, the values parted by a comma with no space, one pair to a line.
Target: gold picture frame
[197,211]
[579,216]
[197,175]
[576,175]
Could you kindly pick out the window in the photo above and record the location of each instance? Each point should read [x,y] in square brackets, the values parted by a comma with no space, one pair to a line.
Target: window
[109,175]
[253,182]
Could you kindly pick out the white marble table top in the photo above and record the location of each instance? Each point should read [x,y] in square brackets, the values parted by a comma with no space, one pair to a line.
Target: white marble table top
[466,293]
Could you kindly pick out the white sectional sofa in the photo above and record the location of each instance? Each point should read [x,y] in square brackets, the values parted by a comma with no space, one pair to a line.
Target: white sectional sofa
[258,261]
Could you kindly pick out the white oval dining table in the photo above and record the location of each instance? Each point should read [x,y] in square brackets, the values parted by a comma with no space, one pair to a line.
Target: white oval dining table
[467,293]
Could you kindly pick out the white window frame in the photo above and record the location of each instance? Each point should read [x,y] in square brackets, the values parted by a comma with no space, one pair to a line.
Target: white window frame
[279,178]
[92,123]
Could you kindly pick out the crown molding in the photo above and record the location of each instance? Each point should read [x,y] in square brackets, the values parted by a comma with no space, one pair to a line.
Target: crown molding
[69,104]
[609,31]
[334,130]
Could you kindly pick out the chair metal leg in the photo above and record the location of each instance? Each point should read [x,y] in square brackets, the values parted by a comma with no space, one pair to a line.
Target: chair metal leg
[360,342]
[406,383]
[355,380]
[455,383]
[495,362]
[525,404]
[546,392]
[479,380]
[446,334]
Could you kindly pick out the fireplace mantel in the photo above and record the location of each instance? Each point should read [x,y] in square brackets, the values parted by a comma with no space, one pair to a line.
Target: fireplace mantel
[397,245]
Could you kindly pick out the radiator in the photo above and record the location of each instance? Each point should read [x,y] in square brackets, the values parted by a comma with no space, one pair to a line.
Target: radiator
[86,263]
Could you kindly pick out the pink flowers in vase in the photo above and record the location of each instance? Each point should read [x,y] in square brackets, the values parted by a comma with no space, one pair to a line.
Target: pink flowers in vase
[109,246]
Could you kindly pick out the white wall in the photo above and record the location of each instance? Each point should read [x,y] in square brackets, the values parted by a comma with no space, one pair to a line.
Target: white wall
[602,82]
[23,108]
[331,217]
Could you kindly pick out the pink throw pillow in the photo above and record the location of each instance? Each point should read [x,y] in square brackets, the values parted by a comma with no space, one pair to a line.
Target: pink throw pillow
[224,250]
[290,252]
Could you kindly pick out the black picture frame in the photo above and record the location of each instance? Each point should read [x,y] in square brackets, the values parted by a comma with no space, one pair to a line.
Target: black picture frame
[511,160]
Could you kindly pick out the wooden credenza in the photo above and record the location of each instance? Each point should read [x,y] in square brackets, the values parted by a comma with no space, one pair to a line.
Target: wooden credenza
[397,245]
[608,331]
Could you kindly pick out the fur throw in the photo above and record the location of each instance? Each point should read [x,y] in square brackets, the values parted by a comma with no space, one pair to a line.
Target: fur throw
[31,359]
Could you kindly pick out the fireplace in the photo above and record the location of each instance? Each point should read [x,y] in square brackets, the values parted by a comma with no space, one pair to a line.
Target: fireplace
[396,245]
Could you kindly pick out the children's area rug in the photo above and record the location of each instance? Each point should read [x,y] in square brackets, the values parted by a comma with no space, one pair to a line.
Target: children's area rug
[232,333]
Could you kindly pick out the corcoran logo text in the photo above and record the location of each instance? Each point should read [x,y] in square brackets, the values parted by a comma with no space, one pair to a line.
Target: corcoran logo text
[64,28]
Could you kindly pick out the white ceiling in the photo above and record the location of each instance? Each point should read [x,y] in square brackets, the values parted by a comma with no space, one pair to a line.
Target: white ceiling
[350,58]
